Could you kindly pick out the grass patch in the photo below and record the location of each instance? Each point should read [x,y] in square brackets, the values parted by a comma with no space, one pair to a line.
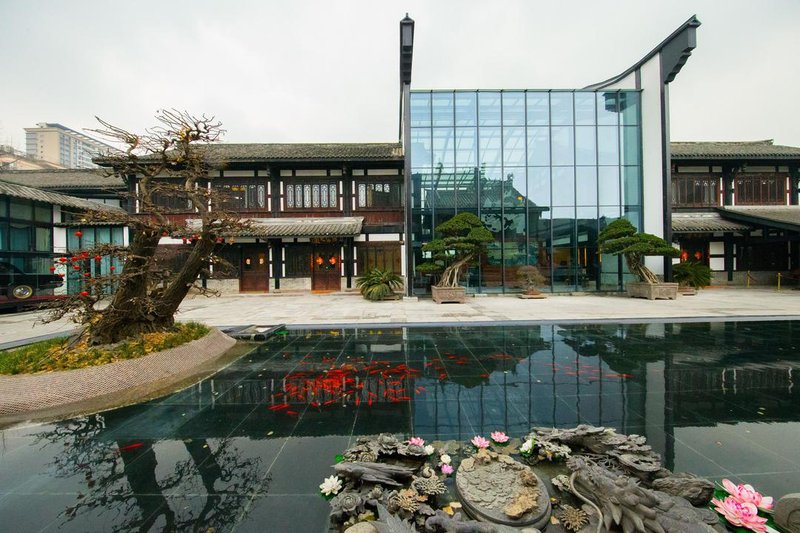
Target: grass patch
[59,354]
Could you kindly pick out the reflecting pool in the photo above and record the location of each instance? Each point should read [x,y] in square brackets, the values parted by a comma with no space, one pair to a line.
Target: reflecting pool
[246,449]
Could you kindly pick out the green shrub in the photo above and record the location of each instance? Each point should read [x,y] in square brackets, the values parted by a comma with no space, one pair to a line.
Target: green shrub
[692,273]
[377,284]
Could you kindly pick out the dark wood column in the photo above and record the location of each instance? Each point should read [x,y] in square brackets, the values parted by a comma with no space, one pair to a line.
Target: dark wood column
[794,184]
[348,261]
[728,173]
[277,260]
[275,186]
[728,243]
[347,192]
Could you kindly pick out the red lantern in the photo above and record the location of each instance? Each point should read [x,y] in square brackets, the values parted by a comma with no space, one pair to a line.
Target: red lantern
[332,260]
[79,234]
[52,269]
[84,294]
[184,240]
[165,234]
[76,267]
[60,274]
[97,258]
[86,275]
[112,268]
[220,240]
[319,260]
[74,258]
[62,259]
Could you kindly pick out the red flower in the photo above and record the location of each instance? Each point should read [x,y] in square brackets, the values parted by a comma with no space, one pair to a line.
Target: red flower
[79,234]
[52,269]
[84,294]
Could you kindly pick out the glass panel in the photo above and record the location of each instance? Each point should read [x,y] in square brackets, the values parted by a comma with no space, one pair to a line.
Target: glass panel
[21,209]
[443,149]
[290,196]
[307,195]
[43,213]
[608,187]
[490,147]
[561,108]
[420,109]
[43,239]
[539,146]
[608,109]
[20,237]
[513,109]
[491,198]
[117,236]
[632,179]
[442,109]
[585,146]
[538,108]
[488,109]
[513,146]
[539,185]
[629,102]
[514,225]
[103,235]
[564,250]
[607,149]
[465,188]
[629,137]
[262,196]
[333,195]
[421,144]
[362,195]
[491,188]
[466,146]
[466,109]
[586,234]
[3,235]
[324,196]
[563,186]
[563,150]
[315,195]
[584,108]
[586,186]
[3,207]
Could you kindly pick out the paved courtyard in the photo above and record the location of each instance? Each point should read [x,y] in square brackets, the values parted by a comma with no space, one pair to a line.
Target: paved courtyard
[350,308]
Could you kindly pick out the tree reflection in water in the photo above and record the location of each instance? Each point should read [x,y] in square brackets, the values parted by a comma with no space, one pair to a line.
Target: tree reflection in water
[122,484]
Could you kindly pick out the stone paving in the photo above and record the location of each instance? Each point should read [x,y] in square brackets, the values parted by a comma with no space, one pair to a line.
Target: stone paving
[350,308]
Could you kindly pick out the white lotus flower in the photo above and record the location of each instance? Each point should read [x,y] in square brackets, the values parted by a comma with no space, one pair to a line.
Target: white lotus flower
[331,485]
[527,446]
[445,459]
[429,449]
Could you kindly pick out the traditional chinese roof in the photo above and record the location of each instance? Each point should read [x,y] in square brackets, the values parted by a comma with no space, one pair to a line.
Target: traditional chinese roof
[30,193]
[704,222]
[307,152]
[785,217]
[297,227]
[733,150]
[63,179]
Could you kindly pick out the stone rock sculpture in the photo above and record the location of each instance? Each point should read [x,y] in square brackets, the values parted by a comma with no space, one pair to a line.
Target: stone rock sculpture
[624,503]
[787,512]
[385,474]
[697,490]
[495,488]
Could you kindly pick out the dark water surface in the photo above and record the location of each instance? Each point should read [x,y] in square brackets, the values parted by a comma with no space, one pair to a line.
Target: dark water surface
[246,449]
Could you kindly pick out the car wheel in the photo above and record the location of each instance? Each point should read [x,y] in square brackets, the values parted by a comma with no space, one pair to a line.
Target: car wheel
[21,292]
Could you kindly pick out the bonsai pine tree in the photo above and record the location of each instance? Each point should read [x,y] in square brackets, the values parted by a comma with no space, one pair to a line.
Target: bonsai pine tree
[463,239]
[620,237]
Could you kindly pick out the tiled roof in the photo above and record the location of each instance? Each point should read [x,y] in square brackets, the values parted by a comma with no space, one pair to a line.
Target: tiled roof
[733,150]
[704,222]
[298,227]
[778,216]
[317,152]
[63,179]
[29,193]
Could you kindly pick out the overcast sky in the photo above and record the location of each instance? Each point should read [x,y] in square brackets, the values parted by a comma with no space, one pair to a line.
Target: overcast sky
[327,71]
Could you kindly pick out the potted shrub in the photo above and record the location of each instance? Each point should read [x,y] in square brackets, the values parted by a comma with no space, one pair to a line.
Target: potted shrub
[621,238]
[691,275]
[379,284]
[530,278]
[463,239]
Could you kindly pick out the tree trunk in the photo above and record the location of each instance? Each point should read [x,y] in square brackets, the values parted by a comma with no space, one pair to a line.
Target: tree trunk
[637,268]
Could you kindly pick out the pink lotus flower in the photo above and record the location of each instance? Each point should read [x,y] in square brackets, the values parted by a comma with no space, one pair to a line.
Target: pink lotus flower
[740,514]
[747,494]
[479,442]
[447,469]
[416,441]
[499,437]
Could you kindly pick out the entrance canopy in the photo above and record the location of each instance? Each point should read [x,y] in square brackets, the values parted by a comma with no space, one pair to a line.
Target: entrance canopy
[297,227]
[785,217]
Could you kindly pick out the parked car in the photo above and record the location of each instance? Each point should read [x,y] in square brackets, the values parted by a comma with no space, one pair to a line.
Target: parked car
[17,285]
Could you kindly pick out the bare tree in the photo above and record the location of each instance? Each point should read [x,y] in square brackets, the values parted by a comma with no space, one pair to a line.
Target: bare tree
[167,161]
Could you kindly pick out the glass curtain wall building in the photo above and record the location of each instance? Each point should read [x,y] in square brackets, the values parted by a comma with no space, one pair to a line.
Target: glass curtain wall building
[544,170]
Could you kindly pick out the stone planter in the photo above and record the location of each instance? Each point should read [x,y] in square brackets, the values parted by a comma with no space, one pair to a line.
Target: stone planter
[532,295]
[443,295]
[652,291]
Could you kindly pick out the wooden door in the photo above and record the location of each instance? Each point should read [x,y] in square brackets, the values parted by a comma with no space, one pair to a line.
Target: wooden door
[326,269]
[255,269]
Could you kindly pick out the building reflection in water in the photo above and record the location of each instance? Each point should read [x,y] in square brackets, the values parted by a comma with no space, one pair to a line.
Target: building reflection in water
[214,439]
